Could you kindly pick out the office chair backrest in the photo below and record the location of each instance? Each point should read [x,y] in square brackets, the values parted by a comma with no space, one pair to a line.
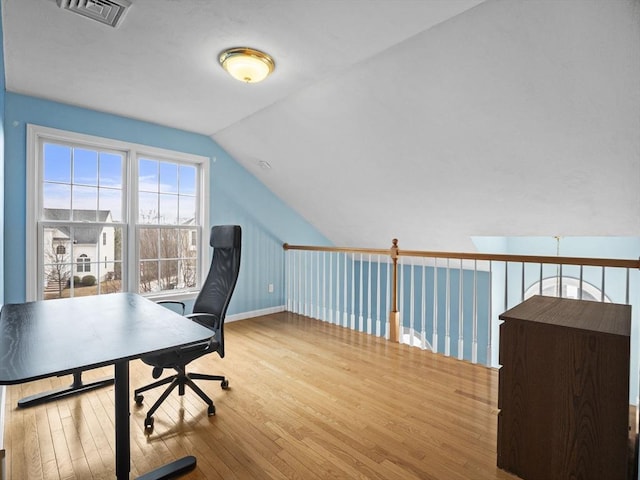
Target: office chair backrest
[215,295]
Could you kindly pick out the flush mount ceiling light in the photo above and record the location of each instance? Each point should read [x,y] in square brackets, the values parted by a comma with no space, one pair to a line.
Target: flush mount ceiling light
[247,64]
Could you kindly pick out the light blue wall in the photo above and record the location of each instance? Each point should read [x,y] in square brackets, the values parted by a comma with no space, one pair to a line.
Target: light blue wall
[2,95]
[236,196]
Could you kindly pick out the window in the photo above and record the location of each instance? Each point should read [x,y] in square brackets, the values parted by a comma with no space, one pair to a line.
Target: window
[567,287]
[132,205]
[84,264]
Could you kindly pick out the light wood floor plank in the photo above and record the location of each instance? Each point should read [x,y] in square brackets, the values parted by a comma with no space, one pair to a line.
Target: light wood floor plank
[307,400]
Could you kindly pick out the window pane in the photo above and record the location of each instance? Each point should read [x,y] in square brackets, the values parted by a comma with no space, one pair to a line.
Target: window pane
[58,262]
[85,203]
[148,208]
[110,202]
[148,243]
[56,281]
[85,167]
[111,282]
[168,274]
[187,212]
[187,180]
[168,177]
[149,277]
[147,175]
[169,243]
[110,170]
[187,274]
[56,196]
[57,163]
[191,247]
[168,209]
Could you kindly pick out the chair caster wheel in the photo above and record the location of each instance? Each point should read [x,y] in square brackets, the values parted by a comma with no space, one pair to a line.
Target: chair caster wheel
[148,423]
[224,384]
[138,399]
[211,410]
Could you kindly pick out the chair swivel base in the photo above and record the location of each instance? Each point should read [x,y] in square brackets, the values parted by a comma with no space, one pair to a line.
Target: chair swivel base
[180,380]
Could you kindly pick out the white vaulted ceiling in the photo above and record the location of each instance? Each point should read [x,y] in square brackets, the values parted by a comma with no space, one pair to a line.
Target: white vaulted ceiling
[427,120]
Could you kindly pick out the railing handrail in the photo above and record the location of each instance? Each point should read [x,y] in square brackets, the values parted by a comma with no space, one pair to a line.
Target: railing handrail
[499,257]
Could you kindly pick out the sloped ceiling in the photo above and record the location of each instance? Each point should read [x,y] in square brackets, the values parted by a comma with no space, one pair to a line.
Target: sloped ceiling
[431,121]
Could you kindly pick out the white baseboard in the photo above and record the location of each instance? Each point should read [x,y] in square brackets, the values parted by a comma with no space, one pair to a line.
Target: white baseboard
[254,313]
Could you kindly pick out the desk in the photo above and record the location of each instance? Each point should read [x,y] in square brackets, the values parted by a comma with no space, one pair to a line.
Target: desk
[58,337]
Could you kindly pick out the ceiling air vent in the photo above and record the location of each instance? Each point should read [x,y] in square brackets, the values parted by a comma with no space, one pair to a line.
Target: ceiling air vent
[109,12]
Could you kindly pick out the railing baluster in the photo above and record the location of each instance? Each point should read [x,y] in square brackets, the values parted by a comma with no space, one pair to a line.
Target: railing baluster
[490,319]
[296,283]
[318,282]
[626,287]
[474,328]
[461,312]
[331,257]
[506,285]
[324,287]
[338,316]
[580,284]
[360,313]
[447,328]
[423,313]
[434,344]
[388,303]
[560,282]
[378,299]
[345,316]
[602,294]
[308,284]
[522,284]
[540,279]
[305,299]
[353,292]
[412,305]
[401,297]
[369,295]
[287,279]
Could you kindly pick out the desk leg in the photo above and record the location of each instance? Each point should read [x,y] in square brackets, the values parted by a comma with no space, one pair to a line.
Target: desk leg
[123,451]
[123,455]
[76,387]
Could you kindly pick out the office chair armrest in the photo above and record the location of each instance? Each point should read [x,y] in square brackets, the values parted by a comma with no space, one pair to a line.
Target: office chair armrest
[209,320]
[175,302]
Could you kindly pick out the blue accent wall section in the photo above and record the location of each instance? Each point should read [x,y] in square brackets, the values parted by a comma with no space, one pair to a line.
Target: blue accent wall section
[2,95]
[236,196]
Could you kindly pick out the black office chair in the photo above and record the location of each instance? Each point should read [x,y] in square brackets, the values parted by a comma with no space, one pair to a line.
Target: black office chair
[209,310]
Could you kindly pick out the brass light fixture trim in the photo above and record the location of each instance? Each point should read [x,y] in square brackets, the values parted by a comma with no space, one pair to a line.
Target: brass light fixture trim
[247,64]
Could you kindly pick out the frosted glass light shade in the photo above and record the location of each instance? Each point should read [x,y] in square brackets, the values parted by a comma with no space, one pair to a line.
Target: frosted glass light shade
[247,64]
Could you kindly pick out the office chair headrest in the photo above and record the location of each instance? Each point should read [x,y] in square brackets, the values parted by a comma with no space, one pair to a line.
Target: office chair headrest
[226,236]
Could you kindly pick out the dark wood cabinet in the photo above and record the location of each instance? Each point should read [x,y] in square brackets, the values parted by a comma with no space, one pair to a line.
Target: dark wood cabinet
[564,390]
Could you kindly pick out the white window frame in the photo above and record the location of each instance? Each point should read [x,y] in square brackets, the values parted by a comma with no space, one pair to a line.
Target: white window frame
[37,134]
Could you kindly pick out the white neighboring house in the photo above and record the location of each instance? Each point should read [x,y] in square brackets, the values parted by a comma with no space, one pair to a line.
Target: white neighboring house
[93,246]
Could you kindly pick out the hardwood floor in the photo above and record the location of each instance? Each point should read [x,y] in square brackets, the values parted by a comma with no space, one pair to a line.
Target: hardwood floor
[307,400]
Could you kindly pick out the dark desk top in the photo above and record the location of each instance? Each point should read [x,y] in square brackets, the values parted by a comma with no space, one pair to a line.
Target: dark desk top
[55,337]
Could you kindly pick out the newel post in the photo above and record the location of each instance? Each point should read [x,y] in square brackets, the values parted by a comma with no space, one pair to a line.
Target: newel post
[394,315]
